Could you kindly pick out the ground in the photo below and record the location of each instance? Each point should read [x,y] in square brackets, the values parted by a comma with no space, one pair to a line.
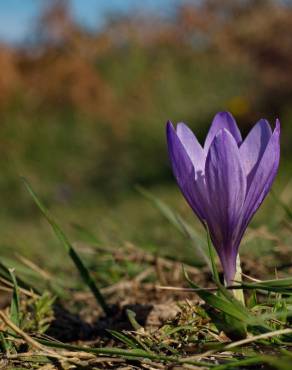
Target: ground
[155,320]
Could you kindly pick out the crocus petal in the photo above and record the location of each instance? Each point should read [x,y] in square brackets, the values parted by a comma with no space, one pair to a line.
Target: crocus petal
[264,176]
[192,146]
[236,178]
[220,121]
[226,187]
[253,147]
[184,172]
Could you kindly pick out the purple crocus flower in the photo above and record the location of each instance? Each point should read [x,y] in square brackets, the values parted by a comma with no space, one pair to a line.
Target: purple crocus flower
[225,181]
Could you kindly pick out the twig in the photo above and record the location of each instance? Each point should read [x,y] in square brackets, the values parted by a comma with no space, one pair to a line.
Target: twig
[159,271]
[22,290]
[260,336]
[33,266]
[251,278]
[178,289]
[241,342]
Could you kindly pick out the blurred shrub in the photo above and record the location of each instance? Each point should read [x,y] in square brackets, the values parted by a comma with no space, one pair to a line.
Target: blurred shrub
[84,113]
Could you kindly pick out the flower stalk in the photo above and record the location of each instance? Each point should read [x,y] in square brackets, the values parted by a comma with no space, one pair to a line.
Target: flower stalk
[238,293]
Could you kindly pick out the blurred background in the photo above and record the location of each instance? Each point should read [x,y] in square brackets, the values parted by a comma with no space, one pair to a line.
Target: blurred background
[86,88]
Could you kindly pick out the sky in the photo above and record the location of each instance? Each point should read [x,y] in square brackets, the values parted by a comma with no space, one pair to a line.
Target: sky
[17,17]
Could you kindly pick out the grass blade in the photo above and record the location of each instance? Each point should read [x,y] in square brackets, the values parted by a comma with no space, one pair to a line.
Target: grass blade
[179,223]
[218,302]
[212,257]
[85,235]
[5,344]
[15,301]
[283,286]
[124,339]
[84,273]
[132,318]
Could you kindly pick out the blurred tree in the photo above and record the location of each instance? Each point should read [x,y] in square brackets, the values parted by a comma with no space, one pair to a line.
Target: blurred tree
[56,25]
[259,34]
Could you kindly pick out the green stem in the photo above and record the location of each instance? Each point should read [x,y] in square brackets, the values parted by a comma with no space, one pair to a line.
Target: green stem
[238,293]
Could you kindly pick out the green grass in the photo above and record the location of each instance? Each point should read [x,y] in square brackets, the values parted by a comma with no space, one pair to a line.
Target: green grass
[143,226]
[96,232]
[133,218]
[136,220]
